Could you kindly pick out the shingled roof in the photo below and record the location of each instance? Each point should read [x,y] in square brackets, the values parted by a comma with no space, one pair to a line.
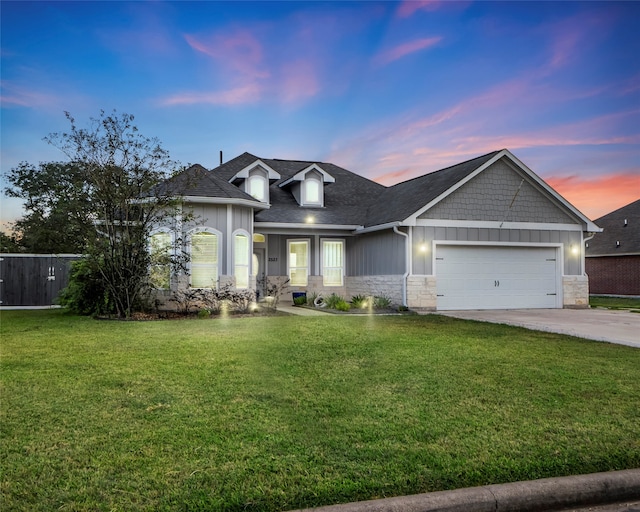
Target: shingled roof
[400,201]
[621,235]
[197,181]
[345,201]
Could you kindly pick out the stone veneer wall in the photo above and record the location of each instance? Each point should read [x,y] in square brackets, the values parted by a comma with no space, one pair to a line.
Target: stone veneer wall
[422,293]
[575,291]
[387,286]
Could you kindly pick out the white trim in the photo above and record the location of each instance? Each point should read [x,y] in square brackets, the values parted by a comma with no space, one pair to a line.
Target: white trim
[229,266]
[242,232]
[344,260]
[495,224]
[379,227]
[555,245]
[244,173]
[300,176]
[304,226]
[213,231]
[590,226]
[308,266]
[227,200]
[31,255]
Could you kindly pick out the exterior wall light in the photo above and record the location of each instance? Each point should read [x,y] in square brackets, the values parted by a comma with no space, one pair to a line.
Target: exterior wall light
[310,219]
[424,248]
[575,250]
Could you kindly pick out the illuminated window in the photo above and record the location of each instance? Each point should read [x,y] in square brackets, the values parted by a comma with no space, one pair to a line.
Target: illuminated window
[332,262]
[241,260]
[160,249]
[204,260]
[298,263]
[312,191]
[257,187]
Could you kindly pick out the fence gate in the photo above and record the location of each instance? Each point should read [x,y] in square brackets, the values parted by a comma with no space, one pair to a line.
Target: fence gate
[33,279]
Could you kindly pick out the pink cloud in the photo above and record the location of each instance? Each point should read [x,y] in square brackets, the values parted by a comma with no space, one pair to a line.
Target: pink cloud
[249,93]
[13,95]
[409,7]
[598,196]
[405,49]
[299,81]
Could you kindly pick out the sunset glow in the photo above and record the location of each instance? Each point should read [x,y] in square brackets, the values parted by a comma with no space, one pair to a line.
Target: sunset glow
[389,90]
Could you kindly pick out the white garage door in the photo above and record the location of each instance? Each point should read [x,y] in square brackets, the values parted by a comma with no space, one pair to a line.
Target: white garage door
[496,277]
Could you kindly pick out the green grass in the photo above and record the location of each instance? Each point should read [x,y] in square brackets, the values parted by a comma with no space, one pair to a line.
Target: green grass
[615,303]
[286,412]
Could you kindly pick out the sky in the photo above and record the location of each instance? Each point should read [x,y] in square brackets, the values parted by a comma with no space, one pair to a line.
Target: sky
[389,90]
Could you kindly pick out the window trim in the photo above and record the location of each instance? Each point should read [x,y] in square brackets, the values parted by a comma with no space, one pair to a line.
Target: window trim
[312,176]
[195,231]
[245,233]
[322,258]
[259,174]
[171,234]
[308,263]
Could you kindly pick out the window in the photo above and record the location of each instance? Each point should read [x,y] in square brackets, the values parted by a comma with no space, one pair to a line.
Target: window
[257,187]
[311,191]
[332,262]
[204,259]
[241,260]
[298,262]
[160,249]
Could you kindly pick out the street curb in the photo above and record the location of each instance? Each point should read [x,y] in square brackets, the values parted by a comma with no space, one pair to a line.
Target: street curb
[547,494]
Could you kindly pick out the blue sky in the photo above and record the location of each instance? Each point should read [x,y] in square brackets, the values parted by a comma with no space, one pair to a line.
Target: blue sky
[389,90]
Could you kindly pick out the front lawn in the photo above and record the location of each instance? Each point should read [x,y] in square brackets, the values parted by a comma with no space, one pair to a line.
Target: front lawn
[602,301]
[276,413]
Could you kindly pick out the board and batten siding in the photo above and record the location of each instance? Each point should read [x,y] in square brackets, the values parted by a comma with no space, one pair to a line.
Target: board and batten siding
[423,237]
[376,254]
[224,218]
[33,279]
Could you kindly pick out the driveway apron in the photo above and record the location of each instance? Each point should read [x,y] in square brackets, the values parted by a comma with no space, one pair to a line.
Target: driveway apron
[613,326]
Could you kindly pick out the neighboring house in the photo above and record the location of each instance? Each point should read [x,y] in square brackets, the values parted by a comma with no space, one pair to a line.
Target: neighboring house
[484,234]
[613,256]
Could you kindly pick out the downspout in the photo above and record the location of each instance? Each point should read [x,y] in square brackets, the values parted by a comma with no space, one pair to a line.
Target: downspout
[407,255]
[584,253]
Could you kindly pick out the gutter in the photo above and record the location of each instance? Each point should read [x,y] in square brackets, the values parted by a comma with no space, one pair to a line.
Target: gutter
[406,262]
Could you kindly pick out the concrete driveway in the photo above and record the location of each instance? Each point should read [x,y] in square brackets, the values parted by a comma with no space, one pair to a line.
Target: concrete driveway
[614,326]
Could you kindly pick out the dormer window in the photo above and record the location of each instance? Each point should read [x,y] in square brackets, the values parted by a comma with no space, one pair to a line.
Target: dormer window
[257,187]
[307,185]
[254,180]
[312,190]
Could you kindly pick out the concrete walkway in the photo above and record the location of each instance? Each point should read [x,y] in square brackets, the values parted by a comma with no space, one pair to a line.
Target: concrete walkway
[298,311]
[545,495]
[614,326]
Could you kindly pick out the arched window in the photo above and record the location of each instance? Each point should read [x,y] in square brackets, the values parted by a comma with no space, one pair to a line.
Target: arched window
[160,254]
[241,249]
[257,187]
[204,252]
[312,191]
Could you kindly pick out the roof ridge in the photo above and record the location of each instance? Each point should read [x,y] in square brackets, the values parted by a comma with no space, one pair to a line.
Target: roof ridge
[492,153]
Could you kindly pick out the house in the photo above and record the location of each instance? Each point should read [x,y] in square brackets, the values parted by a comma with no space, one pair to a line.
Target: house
[487,233]
[613,256]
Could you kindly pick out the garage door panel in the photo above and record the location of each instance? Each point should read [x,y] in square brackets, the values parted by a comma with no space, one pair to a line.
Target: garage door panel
[496,277]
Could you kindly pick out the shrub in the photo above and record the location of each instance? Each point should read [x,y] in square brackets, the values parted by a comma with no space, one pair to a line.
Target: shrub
[381,302]
[86,293]
[342,305]
[185,300]
[332,300]
[311,298]
[204,313]
[360,301]
[300,301]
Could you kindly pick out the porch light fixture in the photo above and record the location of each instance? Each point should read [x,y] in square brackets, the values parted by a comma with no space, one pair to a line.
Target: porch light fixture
[575,250]
[424,248]
[310,219]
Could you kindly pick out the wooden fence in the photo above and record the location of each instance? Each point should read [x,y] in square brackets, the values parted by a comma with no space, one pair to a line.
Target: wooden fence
[33,279]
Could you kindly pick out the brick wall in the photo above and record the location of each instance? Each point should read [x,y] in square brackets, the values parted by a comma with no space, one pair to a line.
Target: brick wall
[615,275]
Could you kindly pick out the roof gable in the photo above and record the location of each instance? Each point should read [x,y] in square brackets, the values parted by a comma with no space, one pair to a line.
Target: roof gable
[621,235]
